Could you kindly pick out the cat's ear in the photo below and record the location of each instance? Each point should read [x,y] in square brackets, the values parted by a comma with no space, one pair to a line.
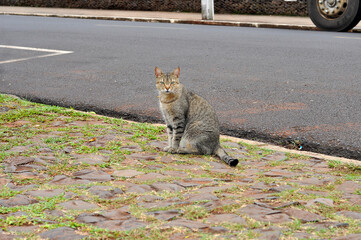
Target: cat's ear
[176,72]
[158,72]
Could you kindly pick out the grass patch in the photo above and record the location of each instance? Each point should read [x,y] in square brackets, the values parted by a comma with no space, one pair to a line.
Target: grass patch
[256,152]
[6,192]
[194,212]
[344,167]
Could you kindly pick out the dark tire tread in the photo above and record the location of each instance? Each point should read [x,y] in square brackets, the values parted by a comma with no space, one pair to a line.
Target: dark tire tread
[344,23]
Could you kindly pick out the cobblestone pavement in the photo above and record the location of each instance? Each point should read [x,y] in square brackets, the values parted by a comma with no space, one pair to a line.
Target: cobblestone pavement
[71,175]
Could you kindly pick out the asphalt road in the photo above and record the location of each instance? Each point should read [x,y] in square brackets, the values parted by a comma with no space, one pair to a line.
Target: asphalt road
[267,84]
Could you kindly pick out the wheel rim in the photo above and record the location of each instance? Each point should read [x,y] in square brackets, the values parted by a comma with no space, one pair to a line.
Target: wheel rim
[331,9]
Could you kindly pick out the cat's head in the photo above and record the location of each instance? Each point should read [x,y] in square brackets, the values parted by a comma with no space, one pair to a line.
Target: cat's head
[167,82]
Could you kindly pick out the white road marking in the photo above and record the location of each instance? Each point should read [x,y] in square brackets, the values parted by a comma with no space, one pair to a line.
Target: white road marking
[126,26]
[52,52]
[357,38]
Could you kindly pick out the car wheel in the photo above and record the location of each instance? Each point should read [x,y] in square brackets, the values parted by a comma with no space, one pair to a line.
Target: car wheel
[334,15]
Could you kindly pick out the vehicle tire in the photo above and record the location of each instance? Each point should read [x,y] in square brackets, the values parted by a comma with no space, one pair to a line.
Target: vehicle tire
[334,15]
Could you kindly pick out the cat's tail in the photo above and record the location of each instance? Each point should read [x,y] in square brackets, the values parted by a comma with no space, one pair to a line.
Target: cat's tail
[225,157]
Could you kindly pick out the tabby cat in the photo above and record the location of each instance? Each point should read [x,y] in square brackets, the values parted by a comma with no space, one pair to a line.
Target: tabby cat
[192,123]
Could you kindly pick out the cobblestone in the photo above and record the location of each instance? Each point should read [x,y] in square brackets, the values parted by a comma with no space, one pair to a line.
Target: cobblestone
[98,177]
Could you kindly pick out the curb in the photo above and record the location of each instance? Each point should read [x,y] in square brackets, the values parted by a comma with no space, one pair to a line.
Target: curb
[170,20]
[179,21]
[282,149]
[286,150]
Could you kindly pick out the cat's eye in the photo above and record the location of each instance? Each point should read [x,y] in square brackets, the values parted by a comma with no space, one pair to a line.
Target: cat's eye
[161,82]
[173,82]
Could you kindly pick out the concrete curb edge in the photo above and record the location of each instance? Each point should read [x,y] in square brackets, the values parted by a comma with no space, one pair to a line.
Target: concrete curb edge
[170,20]
[282,149]
[286,150]
[179,21]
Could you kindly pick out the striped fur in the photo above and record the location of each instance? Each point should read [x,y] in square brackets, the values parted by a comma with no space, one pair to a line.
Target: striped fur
[192,123]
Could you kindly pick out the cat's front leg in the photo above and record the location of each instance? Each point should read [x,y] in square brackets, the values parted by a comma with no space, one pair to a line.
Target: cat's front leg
[170,139]
[178,132]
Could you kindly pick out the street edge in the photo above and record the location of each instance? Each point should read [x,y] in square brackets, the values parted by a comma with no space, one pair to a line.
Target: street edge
[179,21]
[246,141]
[281,149]
[286,150]
[170,20]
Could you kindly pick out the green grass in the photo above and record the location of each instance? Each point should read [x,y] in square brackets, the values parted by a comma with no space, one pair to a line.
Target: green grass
[6,192]
[256,152]
[345,167]
[194,212]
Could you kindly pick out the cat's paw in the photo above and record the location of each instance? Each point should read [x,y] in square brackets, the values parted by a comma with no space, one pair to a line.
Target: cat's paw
[166,148]
[182,151]
[170,149]
[173,150]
